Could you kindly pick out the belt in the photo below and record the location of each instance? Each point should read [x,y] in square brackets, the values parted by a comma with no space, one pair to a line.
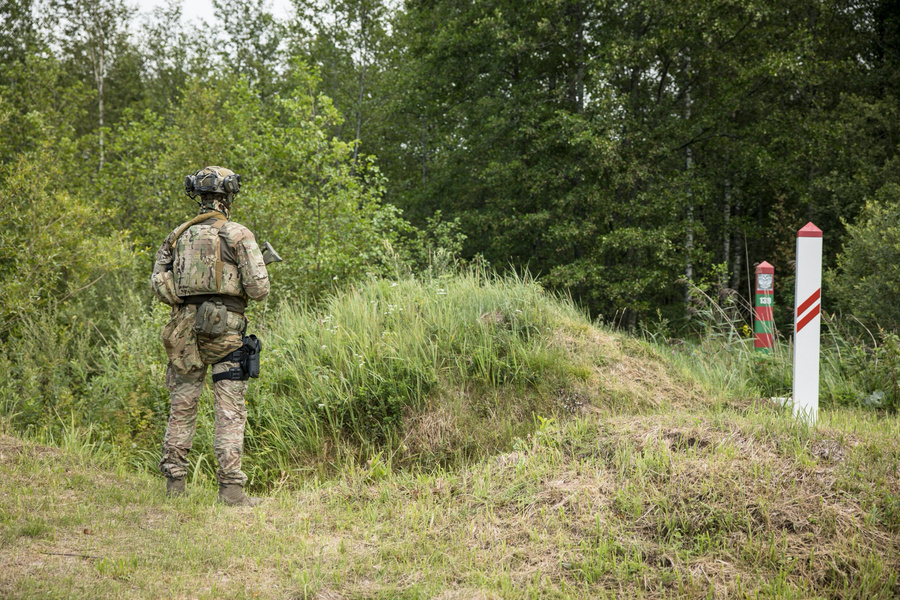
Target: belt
[234,304]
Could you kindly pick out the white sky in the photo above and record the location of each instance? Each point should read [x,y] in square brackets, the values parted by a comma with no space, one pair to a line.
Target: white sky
[203,9]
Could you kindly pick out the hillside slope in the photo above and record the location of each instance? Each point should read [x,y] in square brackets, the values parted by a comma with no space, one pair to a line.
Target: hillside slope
[664,489]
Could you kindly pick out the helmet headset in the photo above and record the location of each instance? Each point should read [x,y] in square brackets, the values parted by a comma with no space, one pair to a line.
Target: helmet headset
[213,180]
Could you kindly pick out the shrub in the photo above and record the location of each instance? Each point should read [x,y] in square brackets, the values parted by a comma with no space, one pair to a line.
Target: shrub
[869,265]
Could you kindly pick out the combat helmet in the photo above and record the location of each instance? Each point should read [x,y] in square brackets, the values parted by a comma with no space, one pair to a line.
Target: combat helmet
[213,180]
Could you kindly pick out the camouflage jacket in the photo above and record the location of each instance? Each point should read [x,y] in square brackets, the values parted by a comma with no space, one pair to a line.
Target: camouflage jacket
[193,257]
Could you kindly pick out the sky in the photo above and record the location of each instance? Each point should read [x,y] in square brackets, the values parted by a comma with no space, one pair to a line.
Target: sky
[203,9]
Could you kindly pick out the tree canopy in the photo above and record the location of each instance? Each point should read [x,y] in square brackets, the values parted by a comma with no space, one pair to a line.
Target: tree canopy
[620,151]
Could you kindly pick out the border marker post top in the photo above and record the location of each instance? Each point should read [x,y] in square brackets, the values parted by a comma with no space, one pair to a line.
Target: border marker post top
[763,323]
[807,322]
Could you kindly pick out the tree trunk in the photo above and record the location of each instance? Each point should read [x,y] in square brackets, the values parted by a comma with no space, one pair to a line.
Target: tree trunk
[364,33]
[689,236]
[736,265]
[100,107]
[726,236]
[576,88]
[424,152]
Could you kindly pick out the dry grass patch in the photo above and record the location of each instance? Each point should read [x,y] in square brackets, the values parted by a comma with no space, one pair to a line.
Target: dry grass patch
[685,504]
[624,374]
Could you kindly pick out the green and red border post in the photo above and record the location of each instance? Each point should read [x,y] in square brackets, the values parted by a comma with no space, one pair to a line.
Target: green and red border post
[764,322]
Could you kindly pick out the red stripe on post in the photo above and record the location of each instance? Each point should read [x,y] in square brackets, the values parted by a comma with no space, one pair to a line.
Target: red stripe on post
[763,313]
[763,340]
[809,302]
[809,317]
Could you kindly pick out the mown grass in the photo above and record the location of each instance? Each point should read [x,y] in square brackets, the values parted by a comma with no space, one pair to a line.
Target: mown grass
[728,499]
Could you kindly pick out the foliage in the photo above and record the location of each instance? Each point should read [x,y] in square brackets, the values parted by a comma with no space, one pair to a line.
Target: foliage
[248,41]
[865,281]
[617,148]
[622,151]
[54,245]
[322,213]
[58,371]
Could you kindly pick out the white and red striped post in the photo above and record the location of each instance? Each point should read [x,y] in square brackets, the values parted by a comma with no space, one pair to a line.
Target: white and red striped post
[764,323]
[807,321]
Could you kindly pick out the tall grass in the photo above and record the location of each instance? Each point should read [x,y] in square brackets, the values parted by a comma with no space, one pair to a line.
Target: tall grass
[858,367]
[351,375]
[424,372]
[348,379]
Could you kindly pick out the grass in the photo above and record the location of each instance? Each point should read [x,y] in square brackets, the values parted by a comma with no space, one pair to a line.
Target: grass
[429,373]
[731,499]
[530,454]
[409,373]
[859,366]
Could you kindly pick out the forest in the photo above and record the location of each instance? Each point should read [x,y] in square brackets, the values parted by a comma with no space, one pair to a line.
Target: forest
[626,153]
[634,159]
[509,350]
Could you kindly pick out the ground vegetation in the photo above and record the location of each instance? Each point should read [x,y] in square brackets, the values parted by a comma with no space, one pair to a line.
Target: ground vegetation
[474,201]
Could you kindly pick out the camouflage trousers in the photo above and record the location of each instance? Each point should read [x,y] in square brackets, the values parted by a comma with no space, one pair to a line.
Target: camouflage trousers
[189,354]
[230,419]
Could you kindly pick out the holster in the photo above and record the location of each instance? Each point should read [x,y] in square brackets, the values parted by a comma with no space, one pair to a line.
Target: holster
[247,357]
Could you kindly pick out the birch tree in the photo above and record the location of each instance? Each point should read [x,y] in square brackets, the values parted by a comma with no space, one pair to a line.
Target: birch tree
[95,32]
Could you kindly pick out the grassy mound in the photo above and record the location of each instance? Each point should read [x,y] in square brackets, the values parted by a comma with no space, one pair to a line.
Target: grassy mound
[414,373]
[434,373]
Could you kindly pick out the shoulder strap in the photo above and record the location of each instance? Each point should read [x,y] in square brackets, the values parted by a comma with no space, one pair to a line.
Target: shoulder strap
[198,219]
[219,264]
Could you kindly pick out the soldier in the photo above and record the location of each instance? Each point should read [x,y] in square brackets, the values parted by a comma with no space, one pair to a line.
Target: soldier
[206,270]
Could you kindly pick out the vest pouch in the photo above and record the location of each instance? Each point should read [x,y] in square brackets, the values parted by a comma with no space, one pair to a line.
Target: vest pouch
[163,285]
[212,317]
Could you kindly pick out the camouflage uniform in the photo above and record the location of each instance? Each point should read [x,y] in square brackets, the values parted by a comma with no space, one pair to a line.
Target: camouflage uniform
[185,273]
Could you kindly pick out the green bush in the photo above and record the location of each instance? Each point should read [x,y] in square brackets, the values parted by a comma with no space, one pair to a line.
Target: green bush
[47,370]
[865,283]
[62,366]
